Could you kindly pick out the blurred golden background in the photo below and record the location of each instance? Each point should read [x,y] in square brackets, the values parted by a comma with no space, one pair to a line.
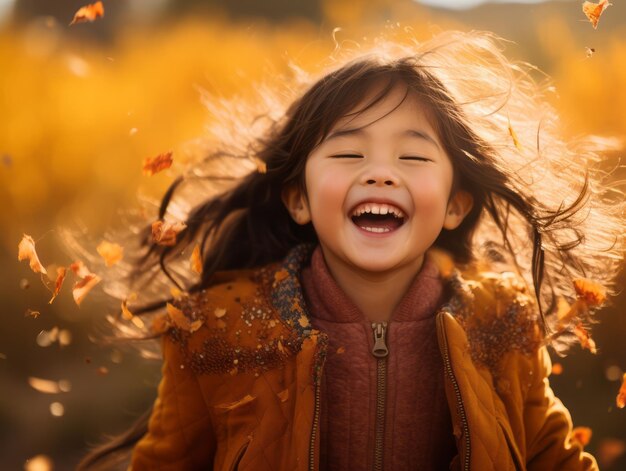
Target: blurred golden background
[81,106]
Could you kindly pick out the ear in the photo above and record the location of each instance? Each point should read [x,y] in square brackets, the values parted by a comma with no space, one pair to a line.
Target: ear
[296,203]
[459,205]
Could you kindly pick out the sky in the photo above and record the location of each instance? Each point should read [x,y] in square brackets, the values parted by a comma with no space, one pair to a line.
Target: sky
[463,4]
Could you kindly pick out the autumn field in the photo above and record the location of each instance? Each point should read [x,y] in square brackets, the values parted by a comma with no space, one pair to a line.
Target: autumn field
[83,106]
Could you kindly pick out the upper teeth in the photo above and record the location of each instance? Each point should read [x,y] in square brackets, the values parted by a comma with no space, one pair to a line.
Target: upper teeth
[376,208]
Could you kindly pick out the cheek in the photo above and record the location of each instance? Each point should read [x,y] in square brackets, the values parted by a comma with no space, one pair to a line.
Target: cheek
[326,192]
[430,194]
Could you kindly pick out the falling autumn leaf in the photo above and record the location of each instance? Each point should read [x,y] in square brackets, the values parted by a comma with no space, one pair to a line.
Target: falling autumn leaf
[593,293]
[152,165]
[110,252]
[589,51]
[26,251]
[594,10]
[514,137]
[582,435]
[584,338]
[164,233]
[87,281]
[196,260]
[620,400]
[31,313]
[181,321]
[89,13]
[61,273]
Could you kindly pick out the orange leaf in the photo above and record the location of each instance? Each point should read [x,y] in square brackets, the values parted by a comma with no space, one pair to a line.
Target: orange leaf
[110,252]
[196,260]
[582,435]
[87,281]
[88,13]
[61,272]
[26,251]
[181,321]
[594,10]
[160,324]
[621,395]
[594,294]
[514,137]
[164,233]
[152,165]
[584,338]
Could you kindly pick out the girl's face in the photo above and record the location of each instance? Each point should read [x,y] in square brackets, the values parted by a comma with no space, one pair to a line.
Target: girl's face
[378,188]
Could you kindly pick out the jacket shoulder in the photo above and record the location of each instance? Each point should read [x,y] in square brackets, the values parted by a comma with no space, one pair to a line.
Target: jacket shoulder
[231,326]
[498,313]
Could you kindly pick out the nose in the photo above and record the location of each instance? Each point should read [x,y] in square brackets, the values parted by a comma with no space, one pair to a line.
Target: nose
[380,177]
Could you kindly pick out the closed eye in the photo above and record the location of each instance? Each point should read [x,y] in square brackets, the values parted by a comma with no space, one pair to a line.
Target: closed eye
[412,157]
[347,156]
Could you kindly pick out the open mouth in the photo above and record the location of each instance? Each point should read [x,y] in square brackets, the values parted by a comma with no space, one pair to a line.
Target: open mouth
[379,218]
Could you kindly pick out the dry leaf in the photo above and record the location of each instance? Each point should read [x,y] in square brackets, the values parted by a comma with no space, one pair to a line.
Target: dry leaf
[31,313]
[594,294]
[152,165]
[219,312]
[283,395]
[514,137]
[261,166]
[584,338]
[281,275]
[582,435]
[87,281]
[589,51]
[61,273]
[26,251]
[594,10]
[164,233]
[110,252]
[620,400]
[196,260]
[88,13]
[181,321]
[160,324]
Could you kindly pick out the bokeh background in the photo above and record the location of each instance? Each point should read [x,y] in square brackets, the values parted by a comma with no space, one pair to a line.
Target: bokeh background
[81,106]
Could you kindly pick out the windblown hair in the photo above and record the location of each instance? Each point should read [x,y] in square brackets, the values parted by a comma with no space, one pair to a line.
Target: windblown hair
[542,202]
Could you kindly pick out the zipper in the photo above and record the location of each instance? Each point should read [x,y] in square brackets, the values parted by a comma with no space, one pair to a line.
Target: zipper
[457,391]
[316,411]
[380,351]
[314,429]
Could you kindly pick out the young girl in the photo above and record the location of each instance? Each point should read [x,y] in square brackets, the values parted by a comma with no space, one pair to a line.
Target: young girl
[364,300]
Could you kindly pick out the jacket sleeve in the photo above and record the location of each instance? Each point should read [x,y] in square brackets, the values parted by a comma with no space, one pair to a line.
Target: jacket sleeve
[549,426]
[180,434]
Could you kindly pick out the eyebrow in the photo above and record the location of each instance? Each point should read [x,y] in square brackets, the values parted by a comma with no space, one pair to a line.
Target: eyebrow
[359,131]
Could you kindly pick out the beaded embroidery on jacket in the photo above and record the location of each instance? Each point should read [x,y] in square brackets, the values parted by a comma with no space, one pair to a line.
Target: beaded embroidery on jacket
[495,310]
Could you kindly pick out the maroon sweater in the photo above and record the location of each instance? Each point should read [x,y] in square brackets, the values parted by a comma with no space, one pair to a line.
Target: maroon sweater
[418,430]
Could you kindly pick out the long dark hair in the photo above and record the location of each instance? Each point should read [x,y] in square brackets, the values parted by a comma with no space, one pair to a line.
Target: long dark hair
[531,198]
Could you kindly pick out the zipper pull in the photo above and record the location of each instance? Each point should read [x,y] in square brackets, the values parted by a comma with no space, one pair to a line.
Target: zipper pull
[380,349]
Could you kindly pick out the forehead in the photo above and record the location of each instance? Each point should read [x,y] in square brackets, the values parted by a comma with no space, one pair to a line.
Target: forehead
[399,105]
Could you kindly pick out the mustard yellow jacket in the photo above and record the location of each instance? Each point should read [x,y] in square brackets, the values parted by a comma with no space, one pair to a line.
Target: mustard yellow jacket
[242,368]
